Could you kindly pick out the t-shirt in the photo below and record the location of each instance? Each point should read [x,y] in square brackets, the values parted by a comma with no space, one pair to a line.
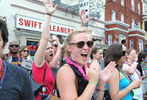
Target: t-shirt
[14,60]
[37,74]
[137,92]
[16,85]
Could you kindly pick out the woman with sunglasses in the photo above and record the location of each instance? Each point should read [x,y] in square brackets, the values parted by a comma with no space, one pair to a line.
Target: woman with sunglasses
[74,80]
[44,55]
[130,68]
[26,62]
[119,84]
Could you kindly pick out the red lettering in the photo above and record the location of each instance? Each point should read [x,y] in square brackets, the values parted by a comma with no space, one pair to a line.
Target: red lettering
[62,29]
[35,24]
[58,30]
[54,28]
[27,22]
[20,21]
[50,28]
[68,30]
[39,25]
[65,30]
[32,23]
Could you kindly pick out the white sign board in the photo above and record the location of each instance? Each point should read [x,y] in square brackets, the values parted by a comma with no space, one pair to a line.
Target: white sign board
[28,23]
[84,4]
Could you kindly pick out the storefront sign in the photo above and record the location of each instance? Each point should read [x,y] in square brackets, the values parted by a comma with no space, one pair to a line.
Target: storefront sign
[33,24]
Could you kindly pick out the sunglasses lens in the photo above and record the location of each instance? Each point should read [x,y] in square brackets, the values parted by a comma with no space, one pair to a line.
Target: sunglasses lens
[90,44]
[25,50]
[80,44]
[14,45]
[55,45]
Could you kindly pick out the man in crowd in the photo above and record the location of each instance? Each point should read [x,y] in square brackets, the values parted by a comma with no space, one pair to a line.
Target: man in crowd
[13,56]
[15,83]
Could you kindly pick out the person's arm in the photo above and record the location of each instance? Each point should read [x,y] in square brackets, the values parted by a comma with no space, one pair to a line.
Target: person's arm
[84,19]
[114,87]
[56,58]
[130,69]
[40,53]
[105,75]
[66,83]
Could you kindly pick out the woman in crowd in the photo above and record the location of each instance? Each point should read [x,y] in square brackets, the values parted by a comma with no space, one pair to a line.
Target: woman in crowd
[142,67]
[74,80]
[97,54]
[130,68]
[26,62]
[119,85]
[44,55]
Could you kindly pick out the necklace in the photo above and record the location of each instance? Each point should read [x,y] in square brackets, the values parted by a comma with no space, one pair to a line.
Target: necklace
[18,59]
[77,66]
[2,72]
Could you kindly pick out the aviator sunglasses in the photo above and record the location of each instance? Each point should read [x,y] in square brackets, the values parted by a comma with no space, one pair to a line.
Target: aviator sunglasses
[14,45]
[25,50]
[81,44]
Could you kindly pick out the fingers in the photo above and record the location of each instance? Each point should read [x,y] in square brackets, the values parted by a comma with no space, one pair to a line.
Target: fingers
[55,7]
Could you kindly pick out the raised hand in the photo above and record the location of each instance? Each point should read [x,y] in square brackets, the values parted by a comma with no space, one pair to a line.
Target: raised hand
[107,72]
[83,17]
[49,6]
[93,72]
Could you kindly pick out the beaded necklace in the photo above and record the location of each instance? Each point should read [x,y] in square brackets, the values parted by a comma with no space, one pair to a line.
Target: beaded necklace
[2,72]
[18,59]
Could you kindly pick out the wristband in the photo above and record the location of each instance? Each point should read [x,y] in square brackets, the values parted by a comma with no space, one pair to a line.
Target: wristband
[93,83]
[135,61]
[49,14]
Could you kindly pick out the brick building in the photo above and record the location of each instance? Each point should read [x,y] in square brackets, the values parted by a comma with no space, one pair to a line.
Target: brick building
[124,21]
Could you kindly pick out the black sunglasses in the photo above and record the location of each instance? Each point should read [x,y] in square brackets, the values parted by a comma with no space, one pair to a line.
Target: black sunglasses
[55,45]
[14,45]
[25,50]
[123,53]
[80,44]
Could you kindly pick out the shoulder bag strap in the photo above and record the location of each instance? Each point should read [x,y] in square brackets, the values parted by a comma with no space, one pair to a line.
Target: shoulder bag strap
[44,76]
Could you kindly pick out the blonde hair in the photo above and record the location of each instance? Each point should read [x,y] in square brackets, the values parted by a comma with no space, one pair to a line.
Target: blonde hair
[70,37]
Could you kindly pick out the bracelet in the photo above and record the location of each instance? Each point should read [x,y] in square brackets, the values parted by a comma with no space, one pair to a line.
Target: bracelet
[93,83]
[135,61]
[49,14]
[101,90]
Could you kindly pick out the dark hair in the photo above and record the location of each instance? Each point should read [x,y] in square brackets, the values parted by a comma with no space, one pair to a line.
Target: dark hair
[94,51]
[141,56]
[113,53]
[4,32]
[123,41]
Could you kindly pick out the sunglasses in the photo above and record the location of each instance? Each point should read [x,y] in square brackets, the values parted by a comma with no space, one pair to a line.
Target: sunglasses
[81,44]
[55,45]
[25,50]
[123,53]
[14,45]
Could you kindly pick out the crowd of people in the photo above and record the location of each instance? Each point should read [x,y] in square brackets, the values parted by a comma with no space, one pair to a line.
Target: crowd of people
[74,70]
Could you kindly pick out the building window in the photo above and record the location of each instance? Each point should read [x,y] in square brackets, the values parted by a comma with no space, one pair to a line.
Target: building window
[122,18]
[121,37]
[122,2]
[113,15]
[140,45]
[145,26]
[133,23]
[109,39]
[139,9]
[132,5]
[131,44]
